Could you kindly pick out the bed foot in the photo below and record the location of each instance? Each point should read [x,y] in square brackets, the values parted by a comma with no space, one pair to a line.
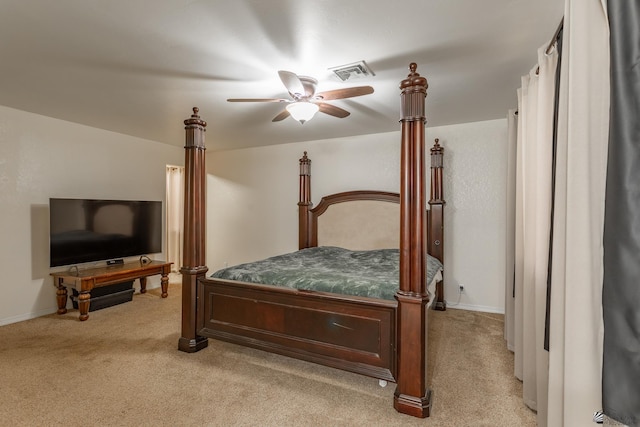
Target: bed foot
[189,345]
[411,405]
[382,383]
[440,306]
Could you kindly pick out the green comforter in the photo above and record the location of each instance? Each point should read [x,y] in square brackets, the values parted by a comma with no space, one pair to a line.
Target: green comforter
[373,273]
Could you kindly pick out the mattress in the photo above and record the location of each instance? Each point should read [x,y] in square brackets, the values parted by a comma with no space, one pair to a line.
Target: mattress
[372,273]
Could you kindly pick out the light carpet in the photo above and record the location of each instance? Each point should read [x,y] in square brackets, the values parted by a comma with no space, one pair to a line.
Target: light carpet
[122,368]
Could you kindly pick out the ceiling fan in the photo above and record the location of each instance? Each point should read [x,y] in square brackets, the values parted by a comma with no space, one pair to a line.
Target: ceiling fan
[305,102]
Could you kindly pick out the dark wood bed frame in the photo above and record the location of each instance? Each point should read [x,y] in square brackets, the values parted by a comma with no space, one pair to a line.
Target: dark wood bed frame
[379,338]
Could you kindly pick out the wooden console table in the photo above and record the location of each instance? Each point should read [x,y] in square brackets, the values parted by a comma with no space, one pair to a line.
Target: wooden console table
[84,281]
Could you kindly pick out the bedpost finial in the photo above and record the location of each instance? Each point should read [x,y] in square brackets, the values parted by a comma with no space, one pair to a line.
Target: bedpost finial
[414,79]
[437,150]
[305,165]
[195,119]
[305,160]
[413,91]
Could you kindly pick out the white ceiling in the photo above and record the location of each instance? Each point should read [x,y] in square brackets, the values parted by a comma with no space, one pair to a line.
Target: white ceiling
[137,67]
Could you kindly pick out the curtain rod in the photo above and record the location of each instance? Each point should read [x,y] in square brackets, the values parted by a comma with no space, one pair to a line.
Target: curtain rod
[554,39]
[552,42]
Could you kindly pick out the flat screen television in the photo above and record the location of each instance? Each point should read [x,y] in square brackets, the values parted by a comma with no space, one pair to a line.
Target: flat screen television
[86,230]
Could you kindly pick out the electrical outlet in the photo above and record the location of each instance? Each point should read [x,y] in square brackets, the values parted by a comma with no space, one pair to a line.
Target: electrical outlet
[461,288]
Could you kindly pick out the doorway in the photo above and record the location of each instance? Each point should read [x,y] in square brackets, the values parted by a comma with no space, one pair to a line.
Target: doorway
[175,215]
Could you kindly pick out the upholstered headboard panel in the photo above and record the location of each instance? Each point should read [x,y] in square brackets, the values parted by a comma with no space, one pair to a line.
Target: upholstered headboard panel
[357,220]
[360,225]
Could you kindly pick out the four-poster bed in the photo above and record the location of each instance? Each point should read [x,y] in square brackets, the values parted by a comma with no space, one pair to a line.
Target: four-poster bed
[382,338]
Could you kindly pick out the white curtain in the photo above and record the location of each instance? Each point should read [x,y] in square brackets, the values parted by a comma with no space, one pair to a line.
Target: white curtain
[533,194]
[510,247]
[564,384]
[576,332]
[175,214]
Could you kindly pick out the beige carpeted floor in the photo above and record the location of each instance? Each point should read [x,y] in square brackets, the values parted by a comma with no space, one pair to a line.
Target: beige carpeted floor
[122,368]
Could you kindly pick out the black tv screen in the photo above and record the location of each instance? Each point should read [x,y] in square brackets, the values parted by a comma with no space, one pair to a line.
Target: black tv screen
[85,230]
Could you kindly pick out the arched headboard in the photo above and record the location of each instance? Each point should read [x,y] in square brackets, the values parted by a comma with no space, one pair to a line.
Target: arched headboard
[358,220]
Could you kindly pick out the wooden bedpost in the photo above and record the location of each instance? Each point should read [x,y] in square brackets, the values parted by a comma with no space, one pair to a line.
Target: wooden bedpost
[304,203]
[436,212]
[412,395]
[193,264]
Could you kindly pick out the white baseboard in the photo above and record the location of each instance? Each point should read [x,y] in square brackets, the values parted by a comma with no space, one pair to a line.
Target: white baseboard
[482,308]
[47,311]
[27,316]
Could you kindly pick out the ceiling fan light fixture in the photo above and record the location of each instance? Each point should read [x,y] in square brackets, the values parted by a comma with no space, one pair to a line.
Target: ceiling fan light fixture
[302,111]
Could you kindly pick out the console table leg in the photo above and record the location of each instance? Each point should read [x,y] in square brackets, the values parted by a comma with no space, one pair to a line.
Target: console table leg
[164,283]
[84,299]
[143,285]
[61,296]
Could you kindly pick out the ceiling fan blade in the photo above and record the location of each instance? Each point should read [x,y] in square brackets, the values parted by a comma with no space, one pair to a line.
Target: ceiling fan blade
[283,115]
[257,100]
[292,83]
[332,110]
[349,92]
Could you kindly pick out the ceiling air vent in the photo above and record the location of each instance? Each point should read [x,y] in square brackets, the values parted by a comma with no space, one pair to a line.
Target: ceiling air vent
[356,70]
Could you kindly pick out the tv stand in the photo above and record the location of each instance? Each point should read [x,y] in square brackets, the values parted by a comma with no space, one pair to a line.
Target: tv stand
[84,281]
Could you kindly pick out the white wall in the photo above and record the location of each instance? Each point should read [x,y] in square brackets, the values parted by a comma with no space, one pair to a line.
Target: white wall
[475,214]
[41,157]
[253,195]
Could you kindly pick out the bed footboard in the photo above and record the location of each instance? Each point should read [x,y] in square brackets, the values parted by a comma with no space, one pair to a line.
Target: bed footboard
[356,335]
